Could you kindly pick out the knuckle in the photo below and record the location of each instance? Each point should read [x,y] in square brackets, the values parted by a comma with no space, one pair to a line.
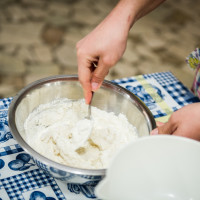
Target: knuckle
[79,50]
[78,45]
[163,129]
[108,61]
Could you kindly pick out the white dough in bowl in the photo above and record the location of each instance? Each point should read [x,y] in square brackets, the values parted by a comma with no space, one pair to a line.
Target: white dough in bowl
[59,131]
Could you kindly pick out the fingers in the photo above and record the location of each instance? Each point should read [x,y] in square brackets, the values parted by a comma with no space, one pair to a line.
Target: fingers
[99,75]
[91,77]
[84,74]
[163,128]
[167,128]
[154,131]
[184,122]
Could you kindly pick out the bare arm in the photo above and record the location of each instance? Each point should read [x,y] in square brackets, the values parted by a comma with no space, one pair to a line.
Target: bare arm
[106,44]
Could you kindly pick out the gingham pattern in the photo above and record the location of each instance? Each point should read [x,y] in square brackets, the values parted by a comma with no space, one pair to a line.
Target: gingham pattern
[173,87]
[163,78]
[12,149]
[26,181]
[82,190]
[180,93]
[162,113]
[124,80]
[16,185]
[158,113]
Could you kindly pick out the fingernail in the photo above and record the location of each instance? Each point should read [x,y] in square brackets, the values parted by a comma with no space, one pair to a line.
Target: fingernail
[94,86]
[154,132]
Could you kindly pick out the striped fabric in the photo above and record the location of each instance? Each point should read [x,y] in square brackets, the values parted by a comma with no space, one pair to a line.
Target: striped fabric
[193,61]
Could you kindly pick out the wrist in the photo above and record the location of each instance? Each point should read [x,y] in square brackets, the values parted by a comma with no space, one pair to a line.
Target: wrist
[125,13]
[132,10]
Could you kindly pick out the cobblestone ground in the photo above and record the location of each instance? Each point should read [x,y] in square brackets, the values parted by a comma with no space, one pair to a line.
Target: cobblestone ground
[38,37]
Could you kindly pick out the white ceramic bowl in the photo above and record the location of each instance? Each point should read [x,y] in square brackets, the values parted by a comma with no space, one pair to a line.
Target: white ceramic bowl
[154,168]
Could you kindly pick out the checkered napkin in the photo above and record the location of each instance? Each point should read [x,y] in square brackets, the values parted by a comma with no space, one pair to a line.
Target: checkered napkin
[20,178]
[161,92]
[4,103]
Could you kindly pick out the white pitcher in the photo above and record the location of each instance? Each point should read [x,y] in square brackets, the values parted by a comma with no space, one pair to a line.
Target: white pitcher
[161,167]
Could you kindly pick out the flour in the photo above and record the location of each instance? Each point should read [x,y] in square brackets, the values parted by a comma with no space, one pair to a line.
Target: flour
[59,131]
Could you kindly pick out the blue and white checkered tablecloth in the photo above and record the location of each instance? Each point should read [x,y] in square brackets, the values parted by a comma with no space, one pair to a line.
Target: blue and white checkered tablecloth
[21,179]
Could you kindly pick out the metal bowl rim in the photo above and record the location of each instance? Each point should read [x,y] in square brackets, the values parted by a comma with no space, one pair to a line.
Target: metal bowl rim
[37,156]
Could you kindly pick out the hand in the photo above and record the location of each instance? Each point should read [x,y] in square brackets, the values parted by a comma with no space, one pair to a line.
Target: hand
[184,122]
[104,46]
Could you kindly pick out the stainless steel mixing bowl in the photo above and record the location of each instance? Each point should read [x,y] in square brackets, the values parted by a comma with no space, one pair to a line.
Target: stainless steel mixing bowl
[110,97]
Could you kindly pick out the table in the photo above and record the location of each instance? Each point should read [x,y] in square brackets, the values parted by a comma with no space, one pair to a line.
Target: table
[21,179]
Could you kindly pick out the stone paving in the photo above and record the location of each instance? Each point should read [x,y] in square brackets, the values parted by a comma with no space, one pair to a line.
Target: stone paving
[38,37]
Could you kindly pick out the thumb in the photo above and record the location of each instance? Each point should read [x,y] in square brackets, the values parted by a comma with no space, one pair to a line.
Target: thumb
[166,128]
[98,75]
[155,131]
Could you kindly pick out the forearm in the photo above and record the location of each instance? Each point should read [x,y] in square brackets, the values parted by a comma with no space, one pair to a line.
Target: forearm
[143,7]
[129,11]
[106,44]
